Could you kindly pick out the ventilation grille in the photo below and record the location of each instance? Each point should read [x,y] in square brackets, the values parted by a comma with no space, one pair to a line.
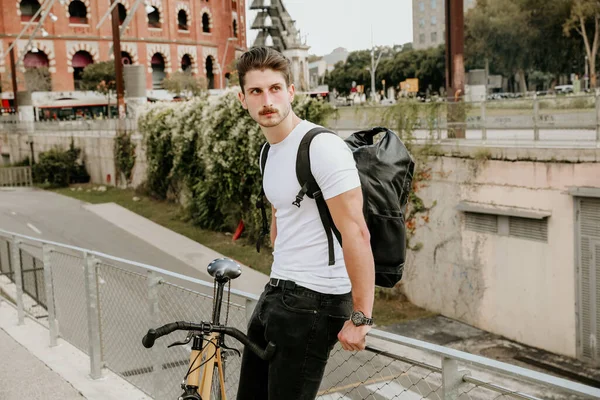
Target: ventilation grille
[590,217]
[528,228]
[477,222]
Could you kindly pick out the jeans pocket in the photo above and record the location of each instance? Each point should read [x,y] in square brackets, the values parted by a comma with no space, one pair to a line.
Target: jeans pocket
[299,304]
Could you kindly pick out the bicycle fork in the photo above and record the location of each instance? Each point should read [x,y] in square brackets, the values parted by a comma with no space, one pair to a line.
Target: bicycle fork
[203,361]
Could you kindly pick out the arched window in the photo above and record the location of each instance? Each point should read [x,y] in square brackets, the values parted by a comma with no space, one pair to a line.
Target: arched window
[186,63]
[37,75]
[158,70]
[182,20]
[122,13]
[28,9]
[154,18]
[77,12]
[210,76]
[235,28]
[205,23]
[35,59]
[81,59]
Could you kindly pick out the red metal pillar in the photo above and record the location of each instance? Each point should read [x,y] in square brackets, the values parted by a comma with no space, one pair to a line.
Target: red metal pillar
[118,62]
[455,66]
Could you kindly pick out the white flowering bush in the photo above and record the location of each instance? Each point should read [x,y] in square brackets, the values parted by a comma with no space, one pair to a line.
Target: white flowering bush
[210,148]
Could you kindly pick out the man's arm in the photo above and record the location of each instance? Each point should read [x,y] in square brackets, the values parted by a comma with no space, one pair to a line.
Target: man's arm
[273,232]
[346,211]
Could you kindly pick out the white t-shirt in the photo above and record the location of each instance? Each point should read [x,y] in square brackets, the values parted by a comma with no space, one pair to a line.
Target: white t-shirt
[301,253]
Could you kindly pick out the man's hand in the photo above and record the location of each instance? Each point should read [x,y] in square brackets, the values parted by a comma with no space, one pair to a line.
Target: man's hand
[352,337]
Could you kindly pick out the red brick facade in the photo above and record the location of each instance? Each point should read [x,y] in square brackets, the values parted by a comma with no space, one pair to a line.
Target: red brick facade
[72,33]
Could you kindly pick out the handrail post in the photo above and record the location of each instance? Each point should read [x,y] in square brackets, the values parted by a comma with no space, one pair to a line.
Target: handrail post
[52,322]
[93,315]
[452,378]
[18,276]
[154,319]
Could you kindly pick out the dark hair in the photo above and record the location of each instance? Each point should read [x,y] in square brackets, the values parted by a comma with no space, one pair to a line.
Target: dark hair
[262,58]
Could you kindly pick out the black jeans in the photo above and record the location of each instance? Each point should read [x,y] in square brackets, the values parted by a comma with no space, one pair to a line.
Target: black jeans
[304,325]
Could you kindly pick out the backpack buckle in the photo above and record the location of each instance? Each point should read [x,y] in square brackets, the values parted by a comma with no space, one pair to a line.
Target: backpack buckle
[298,201]
[300,195]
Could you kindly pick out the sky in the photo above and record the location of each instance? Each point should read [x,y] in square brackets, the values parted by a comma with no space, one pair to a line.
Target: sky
[328,24]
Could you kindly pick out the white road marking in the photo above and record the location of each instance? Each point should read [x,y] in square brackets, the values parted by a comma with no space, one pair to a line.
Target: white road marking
[393,390]
[33,228]
[13,213]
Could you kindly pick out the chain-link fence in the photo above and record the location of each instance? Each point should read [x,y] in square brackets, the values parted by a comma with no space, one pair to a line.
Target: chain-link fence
[104,306]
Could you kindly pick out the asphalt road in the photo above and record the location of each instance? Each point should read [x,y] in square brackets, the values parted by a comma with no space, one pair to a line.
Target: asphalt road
[49,216]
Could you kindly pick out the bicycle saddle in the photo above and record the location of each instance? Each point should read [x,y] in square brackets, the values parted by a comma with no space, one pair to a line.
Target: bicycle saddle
[224,269]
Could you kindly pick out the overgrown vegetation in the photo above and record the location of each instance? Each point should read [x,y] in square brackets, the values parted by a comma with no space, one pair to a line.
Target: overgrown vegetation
[209,152]
[59,168]
[124,155]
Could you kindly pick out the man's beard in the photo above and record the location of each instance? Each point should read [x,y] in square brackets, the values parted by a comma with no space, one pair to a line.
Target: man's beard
[273,122]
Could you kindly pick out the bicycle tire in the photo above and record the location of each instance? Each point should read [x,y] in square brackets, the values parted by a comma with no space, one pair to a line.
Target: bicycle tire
[215,389]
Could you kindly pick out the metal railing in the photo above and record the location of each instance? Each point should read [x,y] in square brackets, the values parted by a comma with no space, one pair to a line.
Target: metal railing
[15,176]
[103,305]
[84,125]
[559,119]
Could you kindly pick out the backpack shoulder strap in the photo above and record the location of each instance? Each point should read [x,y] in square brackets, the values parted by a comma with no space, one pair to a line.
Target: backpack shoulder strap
[303,172]
[264,153]
[310,188]
[260,204]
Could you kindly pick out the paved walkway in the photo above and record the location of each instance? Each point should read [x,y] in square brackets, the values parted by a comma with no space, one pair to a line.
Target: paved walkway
[31,369]
[37,380]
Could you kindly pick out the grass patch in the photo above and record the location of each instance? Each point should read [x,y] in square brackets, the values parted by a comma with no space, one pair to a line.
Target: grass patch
[388,309]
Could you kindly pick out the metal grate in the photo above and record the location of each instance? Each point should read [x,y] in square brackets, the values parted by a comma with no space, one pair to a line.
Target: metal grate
[589,276]
[590,217]
[486,223]
[528,228]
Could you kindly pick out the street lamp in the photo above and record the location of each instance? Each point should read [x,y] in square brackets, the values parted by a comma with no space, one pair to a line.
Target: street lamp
[231,39]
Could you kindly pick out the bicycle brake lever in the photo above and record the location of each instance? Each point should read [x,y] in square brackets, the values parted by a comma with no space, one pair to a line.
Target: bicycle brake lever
[187,339]
[232,349]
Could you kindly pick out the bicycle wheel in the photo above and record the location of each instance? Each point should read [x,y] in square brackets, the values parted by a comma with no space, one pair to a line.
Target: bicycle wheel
[215,391]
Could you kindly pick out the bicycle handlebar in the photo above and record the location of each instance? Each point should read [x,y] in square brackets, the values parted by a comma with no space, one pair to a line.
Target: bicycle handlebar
[205,327]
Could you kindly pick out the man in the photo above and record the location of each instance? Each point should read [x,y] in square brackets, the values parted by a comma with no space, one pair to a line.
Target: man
[306,305]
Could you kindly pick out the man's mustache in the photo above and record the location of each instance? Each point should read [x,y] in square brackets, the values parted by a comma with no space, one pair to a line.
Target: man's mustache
[268,111]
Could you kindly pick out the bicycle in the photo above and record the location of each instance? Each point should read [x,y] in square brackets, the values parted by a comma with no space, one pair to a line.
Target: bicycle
[205,378]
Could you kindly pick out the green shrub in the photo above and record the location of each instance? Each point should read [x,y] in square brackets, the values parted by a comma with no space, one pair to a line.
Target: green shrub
[124,155]
[211,150]
[59,168]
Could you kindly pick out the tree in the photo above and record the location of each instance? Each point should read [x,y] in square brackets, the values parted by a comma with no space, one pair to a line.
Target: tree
[500,32]
[583,13]
[38,79]
[184,82]
[353,70]
[552,51]
[100,78]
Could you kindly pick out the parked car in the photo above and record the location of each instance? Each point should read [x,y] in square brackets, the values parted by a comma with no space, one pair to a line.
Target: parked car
[563,89]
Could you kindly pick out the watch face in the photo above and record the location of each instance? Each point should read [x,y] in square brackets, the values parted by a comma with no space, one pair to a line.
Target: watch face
[357,318]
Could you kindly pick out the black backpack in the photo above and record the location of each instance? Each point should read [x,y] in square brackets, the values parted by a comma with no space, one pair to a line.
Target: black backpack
[386,172]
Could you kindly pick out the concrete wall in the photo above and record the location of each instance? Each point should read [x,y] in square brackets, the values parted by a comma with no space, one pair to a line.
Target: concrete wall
[97,150]
[519,288]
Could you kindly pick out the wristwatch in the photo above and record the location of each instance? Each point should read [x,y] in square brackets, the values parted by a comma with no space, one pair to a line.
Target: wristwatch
[358,318]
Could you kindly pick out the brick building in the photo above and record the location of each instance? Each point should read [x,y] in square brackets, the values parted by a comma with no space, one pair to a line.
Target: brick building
[164,35]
